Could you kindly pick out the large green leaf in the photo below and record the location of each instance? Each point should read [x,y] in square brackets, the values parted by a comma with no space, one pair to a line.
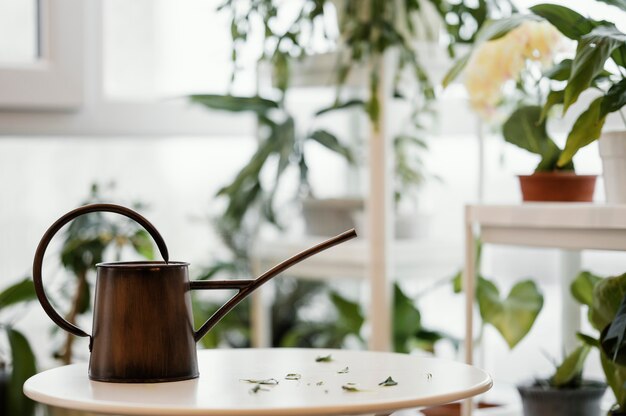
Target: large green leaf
[331,142]
[616,378]
[514,315]
[569,373]
[607,296]
[524,129]
[341,105]
[567,21]
[592,53]
[613,338]
[582,287]
[22,291]
[614,99]
[236,104]
[585,130]
[23,367]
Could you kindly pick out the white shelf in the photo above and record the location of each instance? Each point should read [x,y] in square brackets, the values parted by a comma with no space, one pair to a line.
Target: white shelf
[571,227]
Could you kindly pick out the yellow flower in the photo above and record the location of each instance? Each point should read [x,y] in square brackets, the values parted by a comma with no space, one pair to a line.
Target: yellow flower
[499,61]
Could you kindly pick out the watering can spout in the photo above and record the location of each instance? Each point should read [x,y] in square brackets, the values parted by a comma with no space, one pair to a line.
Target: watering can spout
[247,286]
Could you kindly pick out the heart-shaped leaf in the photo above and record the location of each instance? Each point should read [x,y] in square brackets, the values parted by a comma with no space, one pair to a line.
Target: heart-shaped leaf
[514,315]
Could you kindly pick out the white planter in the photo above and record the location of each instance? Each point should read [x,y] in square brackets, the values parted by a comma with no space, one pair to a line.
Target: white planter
[612,147]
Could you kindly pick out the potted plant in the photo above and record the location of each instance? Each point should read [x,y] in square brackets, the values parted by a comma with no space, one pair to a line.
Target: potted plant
[599,65]
[565,393]
[17,363]
[511,66]
[605,298]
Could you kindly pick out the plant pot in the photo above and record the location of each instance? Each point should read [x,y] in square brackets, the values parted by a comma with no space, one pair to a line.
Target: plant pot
[583,401]
[612,146]
[327,217]
[452,409]
[557,186]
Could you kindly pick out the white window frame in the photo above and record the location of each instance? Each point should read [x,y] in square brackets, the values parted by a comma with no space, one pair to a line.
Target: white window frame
[62,94]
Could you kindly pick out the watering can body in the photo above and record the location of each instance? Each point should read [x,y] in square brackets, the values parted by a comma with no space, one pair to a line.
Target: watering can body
[143,328]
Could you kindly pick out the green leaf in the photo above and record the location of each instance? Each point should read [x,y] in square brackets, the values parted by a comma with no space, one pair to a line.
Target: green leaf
[331,142]
[456,70]
[524,129]
[567,21]
[607,296]
[236,104]
[350,317]
[388,382]
[341,106]
[218,267]
[553,98]
[569,373]
[615,377]
[588,340]
[613,337]
[614,99]
[495,29]
[560,71]
[513,316]
[592,53]
[23,367]
[582,287]
[406,320]
[22,291]
[621,4]
[586,129]
[142,243]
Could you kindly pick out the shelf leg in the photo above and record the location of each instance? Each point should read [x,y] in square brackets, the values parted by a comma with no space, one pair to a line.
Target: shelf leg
[468,287]
[570,263]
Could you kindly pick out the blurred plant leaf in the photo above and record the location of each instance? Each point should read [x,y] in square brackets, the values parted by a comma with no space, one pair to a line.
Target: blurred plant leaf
[255,104]
[586,129]
[22,291]
[592,53]
[23,367]
[514,315]
[553,98]
[560,72]
[614,99]
[350,318]
[607,296]
[570,23]
[142,243]
[582,287]
[219,267]
[331,142]
[569,373]
[341,106]
[621,4]
[524,129]
[406,320]
[613,337]
[615,377]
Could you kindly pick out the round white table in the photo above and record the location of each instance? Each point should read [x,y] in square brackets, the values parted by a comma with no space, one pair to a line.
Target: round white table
[221,388]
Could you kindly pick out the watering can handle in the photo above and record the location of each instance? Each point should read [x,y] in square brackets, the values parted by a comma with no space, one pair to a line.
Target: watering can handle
[54,228]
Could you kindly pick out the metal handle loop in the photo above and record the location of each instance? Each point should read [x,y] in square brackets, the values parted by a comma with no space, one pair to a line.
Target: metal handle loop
[54,228]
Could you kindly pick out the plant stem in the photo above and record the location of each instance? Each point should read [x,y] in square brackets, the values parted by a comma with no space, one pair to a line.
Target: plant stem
[66,357]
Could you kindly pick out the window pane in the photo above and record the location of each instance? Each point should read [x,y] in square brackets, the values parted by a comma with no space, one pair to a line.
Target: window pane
[19,32]
[165,48]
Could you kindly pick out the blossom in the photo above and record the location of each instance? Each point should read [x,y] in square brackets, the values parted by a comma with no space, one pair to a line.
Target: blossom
[494,63]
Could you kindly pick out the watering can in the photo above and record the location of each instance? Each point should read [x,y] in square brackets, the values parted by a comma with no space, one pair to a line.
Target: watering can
[142,324]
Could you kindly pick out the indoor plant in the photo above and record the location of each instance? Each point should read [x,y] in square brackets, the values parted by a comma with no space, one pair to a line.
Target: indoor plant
[603,296]
[17,363]
[565,393]
[511,66]
[599,65]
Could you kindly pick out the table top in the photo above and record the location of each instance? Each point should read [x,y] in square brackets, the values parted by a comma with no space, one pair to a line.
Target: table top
[222,388]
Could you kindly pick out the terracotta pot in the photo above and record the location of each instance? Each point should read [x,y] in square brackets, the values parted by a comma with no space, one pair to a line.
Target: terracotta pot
[557,187]
[451,409]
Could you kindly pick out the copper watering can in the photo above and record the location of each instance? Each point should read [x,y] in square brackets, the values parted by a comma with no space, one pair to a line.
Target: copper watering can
[143,324]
